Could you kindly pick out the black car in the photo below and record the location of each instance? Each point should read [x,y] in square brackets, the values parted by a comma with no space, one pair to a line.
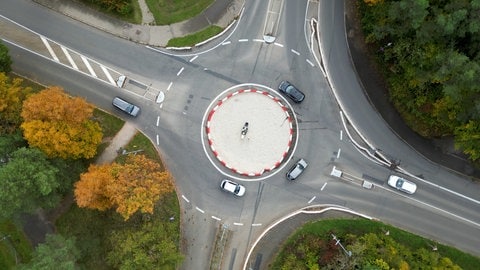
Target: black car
[291,91]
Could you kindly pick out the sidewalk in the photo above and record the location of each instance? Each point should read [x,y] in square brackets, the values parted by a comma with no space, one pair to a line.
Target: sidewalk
[122,138]
[220,13]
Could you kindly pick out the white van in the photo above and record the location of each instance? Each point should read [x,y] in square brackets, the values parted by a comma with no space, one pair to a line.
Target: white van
[126,106]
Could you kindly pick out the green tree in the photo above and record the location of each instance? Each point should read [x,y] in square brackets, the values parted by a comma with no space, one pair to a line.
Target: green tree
[5,61]
[56,253]
[151,247]
[467,138]
[28,182]
[9,143]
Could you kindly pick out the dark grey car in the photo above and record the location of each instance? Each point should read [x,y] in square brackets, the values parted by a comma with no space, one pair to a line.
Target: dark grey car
[291,91]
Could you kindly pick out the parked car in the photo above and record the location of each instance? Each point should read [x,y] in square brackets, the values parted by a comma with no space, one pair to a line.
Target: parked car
[232,187]
[126,106]
[297,169]
[291,91]
[402,184]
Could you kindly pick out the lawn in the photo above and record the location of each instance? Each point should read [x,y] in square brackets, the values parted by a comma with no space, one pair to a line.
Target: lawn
[167,12]
[195,38]
[142,145]
[14,246]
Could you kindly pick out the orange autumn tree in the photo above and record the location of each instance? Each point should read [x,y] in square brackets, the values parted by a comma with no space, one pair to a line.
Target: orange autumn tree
[60,125]
[134,186]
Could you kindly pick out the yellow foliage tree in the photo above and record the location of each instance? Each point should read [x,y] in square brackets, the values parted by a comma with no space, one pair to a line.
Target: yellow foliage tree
[12,95]
[134,186]
[60,125]
[90,191]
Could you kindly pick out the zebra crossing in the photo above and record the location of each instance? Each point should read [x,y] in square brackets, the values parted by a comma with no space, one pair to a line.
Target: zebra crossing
[21,36]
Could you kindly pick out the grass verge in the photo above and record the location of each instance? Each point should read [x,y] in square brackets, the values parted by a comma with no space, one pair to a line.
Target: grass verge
[167,12]
[195,38]
[135,16]
[344,227]
[141,143]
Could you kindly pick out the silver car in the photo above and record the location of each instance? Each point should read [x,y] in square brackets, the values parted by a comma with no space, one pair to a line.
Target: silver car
[297,169]
[232,187]
[402,184]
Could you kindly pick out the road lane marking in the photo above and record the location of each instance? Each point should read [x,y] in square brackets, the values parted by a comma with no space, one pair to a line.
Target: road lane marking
[243,40]
[185,198]
[195,57]
[256,224]
[158,120]
[199,210]
[50,50]
[69,57]
[278,44]
[324,185]
[238,224]
[216,218]
[311,200]
[89,67]
[180,71]
[295,52]
[310,62]
[338,153]
[226,42]
[112,81]
[170,85]
[341,135]
[158,139]
[161,105]
[258,40]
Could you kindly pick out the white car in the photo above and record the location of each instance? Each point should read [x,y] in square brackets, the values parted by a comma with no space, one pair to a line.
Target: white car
[232,187]
[402,184]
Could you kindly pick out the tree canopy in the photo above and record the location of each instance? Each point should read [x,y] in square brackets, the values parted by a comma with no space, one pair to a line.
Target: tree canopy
[12,95]
[60,125]
[28,182]
[430,54]
[131,187]
[56,253]
[5,60]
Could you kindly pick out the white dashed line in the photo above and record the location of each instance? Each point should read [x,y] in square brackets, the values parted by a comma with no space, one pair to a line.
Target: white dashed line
[195,57]
[258,40]
[161,105]
[310,62]
[216,218]
[243,40]
[226,42]
[69,57]
[341,135]
[338,153]
[170,85]
[89,67]
[158,120]
[185,198]
[311,200]
[180,71]
[238,224]
[324,185]
[256,224]
[199,210]
[278,44]
[295,52]
[52,53]
[112,81]
[158,140]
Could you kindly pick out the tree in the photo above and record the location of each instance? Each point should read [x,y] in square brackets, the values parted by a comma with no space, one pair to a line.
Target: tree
[467,138]
[56,253]
[60,125]
[134,186]
[5,61]
[12,95]
[28,182]
[151,247]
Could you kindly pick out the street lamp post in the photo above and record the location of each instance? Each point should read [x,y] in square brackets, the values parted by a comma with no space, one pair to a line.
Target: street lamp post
[348,252]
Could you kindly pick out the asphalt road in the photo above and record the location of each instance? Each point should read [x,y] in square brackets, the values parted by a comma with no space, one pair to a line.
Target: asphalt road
[437,210]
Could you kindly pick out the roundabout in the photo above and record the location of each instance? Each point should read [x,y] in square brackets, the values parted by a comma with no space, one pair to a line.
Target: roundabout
[250,131]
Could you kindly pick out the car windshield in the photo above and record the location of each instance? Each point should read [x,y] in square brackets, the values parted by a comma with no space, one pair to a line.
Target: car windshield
[399,182]
[290,89]
[237,189]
